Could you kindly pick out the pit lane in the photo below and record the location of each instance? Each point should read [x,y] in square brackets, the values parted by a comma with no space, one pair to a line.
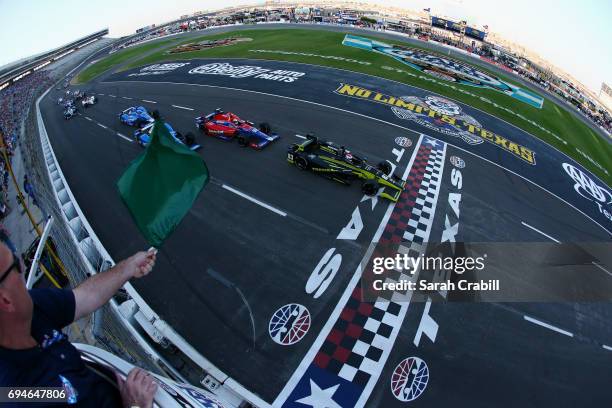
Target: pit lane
[273,255]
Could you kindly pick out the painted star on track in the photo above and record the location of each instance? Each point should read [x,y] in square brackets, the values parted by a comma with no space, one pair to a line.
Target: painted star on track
[432,142]
[320,398]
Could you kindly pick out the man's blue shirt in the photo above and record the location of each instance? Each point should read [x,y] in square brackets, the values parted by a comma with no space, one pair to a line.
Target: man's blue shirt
[55,362]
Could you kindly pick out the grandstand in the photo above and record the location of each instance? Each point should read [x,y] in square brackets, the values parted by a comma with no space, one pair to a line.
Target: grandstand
[12,73]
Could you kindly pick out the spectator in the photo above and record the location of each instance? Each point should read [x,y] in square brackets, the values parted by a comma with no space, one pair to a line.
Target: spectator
[3,208]
[29,189]
[5,178]
[35,353]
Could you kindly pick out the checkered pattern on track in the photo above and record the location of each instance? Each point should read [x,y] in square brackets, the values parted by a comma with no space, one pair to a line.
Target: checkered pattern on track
[353,348]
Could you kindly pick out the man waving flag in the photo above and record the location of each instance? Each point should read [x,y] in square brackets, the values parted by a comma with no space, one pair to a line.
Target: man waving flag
[160,186]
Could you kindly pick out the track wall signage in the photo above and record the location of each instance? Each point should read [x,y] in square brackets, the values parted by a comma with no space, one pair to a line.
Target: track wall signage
[444,68]
[440,115]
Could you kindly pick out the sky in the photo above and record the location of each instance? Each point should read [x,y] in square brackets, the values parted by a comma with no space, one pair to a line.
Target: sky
[573,35]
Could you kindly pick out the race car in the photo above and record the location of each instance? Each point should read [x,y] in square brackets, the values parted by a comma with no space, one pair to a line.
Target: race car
[228,126]
[135,116]
[339,164]
[143,136]
[70,111]
[89,101]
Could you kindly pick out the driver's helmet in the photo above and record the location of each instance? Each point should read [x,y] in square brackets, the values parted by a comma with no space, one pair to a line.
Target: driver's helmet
[348,155]
[218,110]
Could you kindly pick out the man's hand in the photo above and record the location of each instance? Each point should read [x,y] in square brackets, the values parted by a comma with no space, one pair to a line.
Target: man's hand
[138,389]
[140,264]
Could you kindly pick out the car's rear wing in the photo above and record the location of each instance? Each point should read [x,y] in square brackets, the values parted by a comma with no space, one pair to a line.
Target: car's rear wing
[308,143]
[392,192]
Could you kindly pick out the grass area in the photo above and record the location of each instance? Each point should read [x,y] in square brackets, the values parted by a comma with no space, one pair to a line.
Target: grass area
[553,117]
[115,59]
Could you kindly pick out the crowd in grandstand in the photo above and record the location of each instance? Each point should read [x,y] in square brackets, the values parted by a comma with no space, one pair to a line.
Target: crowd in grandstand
[15,101]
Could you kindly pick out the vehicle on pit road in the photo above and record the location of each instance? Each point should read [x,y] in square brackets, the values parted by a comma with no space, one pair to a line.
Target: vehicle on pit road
[137,116]
[88,101]
[339,164]
[143,136]
[228,126]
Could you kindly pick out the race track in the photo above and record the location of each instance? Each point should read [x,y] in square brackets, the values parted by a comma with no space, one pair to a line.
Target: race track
[261,227]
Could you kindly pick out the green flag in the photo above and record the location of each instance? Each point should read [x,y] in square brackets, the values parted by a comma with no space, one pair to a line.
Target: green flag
[160,186]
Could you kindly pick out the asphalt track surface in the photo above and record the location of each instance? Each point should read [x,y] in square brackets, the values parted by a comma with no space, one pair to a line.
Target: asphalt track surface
[483,354]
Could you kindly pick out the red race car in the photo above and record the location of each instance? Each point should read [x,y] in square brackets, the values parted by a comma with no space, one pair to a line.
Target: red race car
[228,126]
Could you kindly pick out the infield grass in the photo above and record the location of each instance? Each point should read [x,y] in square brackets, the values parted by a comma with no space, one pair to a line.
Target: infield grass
[114,59]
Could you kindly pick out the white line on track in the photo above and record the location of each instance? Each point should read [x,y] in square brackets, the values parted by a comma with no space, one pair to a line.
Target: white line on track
[182,107]
[300,136]
[548,326]
[607,347]
[112,96]
[127,97]
[557,241]
[146,100]
[540,232]
[388,123]
[102,126]
[88,118]
[101,94]
[254,200]
[125,137]
[602,268]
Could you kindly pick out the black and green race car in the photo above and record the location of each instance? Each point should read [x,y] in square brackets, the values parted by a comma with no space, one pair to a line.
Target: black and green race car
[339,164]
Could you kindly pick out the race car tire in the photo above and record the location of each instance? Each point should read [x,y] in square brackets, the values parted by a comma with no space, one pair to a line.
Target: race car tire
[189,139]
[385,167]
[370,187]
[301,163]
[265,128]
[243,141]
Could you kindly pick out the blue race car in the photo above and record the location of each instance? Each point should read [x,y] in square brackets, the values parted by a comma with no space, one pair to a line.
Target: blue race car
[135,116]
[143,136]
[228,126]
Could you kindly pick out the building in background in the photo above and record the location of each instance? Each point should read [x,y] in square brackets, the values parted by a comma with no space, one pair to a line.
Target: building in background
[605,96]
